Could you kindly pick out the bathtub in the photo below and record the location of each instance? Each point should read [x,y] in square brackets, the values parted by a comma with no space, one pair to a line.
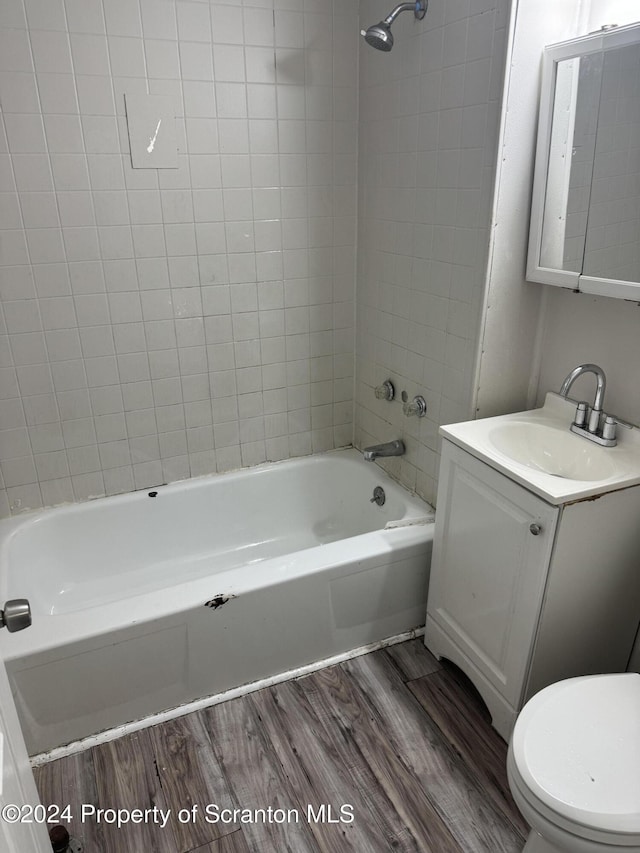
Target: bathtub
[152,600]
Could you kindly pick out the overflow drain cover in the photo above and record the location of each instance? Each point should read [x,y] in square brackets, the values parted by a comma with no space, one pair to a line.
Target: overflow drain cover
[379,496]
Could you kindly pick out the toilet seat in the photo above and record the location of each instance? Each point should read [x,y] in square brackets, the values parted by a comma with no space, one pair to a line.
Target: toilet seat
[576,753]
[553,825]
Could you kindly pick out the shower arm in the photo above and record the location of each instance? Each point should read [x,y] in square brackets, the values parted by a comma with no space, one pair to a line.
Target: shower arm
[416,7]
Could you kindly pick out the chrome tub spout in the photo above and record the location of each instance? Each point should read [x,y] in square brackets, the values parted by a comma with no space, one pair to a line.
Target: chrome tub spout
[390,448]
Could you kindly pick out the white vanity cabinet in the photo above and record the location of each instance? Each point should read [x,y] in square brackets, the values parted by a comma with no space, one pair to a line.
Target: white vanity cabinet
[523,592]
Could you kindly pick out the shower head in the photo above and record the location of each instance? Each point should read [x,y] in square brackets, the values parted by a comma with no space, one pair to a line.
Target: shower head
[380,35]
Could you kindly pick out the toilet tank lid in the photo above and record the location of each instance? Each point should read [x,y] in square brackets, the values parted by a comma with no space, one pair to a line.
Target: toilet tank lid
[576,745]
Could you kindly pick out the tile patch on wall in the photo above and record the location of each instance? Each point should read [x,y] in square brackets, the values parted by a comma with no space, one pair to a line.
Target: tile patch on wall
[152,131]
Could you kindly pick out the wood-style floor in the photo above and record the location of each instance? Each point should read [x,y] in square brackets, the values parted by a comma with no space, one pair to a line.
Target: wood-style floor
[397,740]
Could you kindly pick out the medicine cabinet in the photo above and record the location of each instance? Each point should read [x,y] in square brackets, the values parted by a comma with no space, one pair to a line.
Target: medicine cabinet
[585,217]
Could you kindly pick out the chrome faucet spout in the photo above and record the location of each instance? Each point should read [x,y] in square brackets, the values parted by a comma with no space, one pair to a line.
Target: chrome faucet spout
[598,403]
[390,448]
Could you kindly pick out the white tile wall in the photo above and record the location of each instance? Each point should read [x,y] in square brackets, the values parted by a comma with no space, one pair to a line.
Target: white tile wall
[429,114]
[157,325]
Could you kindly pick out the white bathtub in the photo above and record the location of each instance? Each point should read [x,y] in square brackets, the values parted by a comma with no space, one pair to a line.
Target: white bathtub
[151,600]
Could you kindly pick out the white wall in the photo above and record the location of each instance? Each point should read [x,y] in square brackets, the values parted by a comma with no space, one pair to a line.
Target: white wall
[534,335]
[506,359]
[429,118]
[578,327]
[163,324]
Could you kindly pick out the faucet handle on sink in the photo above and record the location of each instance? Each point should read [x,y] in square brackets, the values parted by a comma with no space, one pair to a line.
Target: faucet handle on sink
[609,427]
[582,414]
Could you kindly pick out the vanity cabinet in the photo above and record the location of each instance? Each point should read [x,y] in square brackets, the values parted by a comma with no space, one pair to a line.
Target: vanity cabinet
[523,592]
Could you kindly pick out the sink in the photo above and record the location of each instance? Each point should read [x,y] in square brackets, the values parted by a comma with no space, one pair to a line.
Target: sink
[537,449]
[554,451]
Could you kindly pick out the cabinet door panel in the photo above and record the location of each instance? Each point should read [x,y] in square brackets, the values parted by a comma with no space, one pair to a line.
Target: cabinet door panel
[488,570]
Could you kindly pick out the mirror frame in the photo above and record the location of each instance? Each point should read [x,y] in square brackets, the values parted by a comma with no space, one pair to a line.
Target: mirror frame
[604,40]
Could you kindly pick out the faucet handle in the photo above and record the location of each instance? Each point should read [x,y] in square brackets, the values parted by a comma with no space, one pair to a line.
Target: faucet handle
[386,391]
[609,427]
[417,406]
[582,413]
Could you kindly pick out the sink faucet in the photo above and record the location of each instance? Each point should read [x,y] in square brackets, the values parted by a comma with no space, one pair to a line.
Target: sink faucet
[596,411]
[391,448]
[591,429]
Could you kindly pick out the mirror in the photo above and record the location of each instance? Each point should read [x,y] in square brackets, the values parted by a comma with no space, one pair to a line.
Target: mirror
[585,216]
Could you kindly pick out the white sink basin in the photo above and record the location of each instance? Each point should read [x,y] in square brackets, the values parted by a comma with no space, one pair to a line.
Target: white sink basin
[538,450]
[554,451]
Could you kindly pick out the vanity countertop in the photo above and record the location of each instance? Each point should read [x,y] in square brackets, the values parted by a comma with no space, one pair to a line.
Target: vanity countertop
[536,449]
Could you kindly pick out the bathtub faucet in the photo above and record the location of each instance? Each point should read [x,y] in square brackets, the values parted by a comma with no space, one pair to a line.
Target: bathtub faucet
[390,448]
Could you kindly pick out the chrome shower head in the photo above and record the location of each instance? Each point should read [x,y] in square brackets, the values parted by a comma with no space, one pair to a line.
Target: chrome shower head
[380,35]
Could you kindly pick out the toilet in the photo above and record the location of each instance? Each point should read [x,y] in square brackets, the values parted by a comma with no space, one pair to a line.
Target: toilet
[574,765]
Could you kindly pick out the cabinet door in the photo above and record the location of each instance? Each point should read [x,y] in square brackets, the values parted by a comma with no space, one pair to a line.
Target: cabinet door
[489,567]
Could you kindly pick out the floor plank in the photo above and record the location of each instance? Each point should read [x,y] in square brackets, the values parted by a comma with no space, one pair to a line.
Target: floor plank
[71,782]
[392,829]
[314,768]
[482,750]
[255,778]
[190,777]
[413,659]
[126,778]
[351,712]
[456,794]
